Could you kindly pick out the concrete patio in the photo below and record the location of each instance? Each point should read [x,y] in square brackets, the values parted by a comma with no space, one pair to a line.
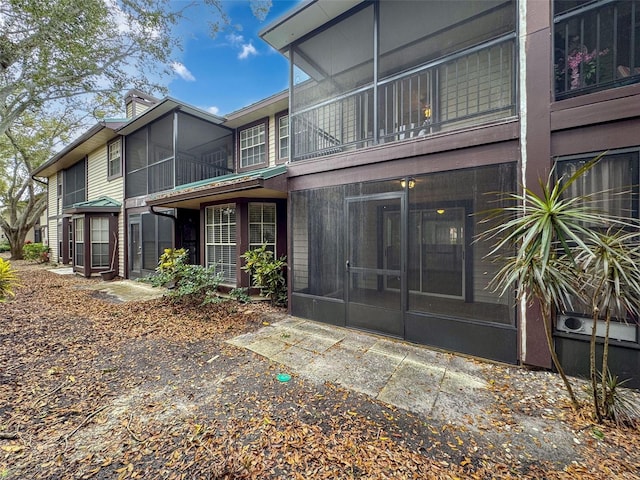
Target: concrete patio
[398,373]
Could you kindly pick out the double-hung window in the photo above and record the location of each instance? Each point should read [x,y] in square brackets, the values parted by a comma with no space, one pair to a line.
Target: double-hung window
[253,145]
[220,240]
[283,137]
[114,155]
[262,225]
[79,241]
[99,242]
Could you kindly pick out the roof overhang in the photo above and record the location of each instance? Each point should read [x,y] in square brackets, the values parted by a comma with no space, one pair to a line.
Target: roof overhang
[264,108]
[94,138]
[165,106]
[98,205]
[266,183]
[303,19]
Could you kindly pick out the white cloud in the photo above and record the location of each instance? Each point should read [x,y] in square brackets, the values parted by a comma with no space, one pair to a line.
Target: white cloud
[213,110]
[182,71]
[235,39]
[247,50]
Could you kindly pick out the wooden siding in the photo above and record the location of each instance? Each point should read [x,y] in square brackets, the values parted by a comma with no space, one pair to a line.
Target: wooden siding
[272,154]
[99,185]
[52,216]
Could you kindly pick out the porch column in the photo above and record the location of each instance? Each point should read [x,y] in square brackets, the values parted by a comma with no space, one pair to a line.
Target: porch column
[535,84]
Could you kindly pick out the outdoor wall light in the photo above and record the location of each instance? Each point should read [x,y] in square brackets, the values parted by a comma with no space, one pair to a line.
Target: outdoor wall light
[440,211]
[412,182]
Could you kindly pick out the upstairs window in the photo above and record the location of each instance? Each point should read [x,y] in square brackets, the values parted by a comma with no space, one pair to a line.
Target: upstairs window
[114,158]
[283,137]
[253,145]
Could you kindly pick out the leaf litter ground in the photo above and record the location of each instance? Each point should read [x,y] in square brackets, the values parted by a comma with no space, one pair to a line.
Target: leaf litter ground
[90,388]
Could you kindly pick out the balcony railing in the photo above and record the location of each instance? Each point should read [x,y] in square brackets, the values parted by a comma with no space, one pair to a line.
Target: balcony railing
[596,47]
[471,87]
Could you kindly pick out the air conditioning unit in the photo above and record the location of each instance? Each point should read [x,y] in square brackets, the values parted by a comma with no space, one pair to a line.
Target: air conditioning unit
[582,325]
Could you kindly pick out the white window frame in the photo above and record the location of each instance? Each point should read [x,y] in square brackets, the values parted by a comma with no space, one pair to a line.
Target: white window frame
[253,145]
[261,224]
[283,137]
[114,163]
[220,240]
[99,235]
[78,229]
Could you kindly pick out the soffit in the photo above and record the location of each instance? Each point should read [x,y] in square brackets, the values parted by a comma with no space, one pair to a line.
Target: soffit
[302,20]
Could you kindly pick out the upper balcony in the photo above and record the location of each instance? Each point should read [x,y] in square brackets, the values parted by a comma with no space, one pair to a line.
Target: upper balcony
[596,45]
[166,147]
[391,71]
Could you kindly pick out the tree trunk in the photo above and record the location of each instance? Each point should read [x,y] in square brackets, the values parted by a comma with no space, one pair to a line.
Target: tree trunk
[592,369]
[16,242]
[554,356]
[605,366]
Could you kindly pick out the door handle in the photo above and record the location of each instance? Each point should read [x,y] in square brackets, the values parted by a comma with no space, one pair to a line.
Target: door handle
[347,264]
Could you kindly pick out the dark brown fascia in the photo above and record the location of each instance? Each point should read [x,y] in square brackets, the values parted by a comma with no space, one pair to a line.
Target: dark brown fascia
[207,192]
[476,136]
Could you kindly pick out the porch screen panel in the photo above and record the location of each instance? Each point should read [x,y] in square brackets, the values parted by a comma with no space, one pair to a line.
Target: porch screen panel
[220,240]
[448,273]
[204,150]
[165,233]
[136,163]
[149,247]
[160,158]
[325,70]
[319,259]
[300,238]
[411,34]
[480,83]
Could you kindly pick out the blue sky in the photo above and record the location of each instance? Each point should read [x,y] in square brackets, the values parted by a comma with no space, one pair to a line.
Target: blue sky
[232,70]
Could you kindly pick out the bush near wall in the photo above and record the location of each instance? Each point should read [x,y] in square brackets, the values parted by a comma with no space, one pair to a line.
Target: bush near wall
[35,252]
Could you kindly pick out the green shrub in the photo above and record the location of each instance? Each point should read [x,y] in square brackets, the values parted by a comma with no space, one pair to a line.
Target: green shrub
[5,247]
[267,273]
[619,403]
[240,295]
[36,252]
[185,282]
[8,280]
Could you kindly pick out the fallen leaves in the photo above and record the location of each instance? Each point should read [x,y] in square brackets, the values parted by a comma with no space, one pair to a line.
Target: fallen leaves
[93,389]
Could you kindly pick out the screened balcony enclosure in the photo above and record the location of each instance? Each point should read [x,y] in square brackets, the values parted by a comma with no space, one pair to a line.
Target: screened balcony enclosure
[422,74]
[175,150]
[596,45]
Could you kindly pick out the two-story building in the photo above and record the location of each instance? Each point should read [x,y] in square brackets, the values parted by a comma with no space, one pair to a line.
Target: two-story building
[406,117]
[170,175]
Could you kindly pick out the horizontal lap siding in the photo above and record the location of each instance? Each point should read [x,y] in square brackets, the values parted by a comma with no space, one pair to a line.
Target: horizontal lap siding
[99,185]
[52,220]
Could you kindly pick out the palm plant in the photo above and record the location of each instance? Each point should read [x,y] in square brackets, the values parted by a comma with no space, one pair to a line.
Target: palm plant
[545,231]
[610,279]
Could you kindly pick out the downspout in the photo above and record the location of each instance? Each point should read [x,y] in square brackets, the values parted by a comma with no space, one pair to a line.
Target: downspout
[522,90]
[46,184]
[163,214]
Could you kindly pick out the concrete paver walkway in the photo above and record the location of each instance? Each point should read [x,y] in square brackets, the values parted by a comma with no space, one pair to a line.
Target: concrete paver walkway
[395,372]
